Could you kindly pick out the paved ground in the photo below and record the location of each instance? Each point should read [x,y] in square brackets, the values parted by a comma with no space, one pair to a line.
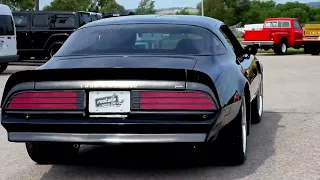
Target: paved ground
[284,146]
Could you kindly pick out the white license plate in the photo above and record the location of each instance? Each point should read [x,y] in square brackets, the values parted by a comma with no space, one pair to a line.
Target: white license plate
[109,101]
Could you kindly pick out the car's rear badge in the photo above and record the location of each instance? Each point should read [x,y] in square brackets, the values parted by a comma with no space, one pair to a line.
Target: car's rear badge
[108,101]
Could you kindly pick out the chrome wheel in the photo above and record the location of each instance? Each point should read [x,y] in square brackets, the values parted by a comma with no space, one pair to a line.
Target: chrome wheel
[244,127]
[283,48]
[260,101]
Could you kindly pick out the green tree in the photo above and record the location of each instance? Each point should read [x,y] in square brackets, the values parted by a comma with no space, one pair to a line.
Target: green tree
[19,5]
[184,11]
[146,7]
[256,11]
[111,5]
[104,5]
[68,5]
[213,8]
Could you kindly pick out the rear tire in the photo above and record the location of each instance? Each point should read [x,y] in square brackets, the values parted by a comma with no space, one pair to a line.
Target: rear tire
[232,140]
[53,50]
[281,48]
[52,153]
[257,106]
[3,67]
[315,51]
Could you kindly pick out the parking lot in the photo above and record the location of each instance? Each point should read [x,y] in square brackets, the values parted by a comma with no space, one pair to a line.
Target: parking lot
[285,145]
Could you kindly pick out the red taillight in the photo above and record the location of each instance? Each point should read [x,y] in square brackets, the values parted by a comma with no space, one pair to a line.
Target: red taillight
[175,101]
[47,101]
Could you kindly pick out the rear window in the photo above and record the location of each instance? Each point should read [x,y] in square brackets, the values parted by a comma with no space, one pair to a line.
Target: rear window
[6,25]
[84,18]
[40,20]
[21,20]
[93,17]
[63,21]
[142,39]
[281,24]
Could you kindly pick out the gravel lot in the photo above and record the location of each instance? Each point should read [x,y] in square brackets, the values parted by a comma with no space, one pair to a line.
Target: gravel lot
[285,145]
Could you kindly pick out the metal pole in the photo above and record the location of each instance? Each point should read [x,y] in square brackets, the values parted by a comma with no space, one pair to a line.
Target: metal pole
[36,5]
[202,8]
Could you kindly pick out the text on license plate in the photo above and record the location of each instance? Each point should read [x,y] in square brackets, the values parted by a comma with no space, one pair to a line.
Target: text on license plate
[109,101]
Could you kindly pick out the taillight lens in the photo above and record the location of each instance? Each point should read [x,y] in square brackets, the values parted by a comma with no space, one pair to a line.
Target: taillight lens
[175,101]
[64,100]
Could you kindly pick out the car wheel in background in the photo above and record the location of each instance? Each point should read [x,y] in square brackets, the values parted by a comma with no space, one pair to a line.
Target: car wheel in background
[315,51]
[281,48]
[257,106]
[52,153]
[53,50]
[39,57]
[3,67]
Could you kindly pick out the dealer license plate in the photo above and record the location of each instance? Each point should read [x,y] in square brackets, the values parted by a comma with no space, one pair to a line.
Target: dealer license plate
[109,101]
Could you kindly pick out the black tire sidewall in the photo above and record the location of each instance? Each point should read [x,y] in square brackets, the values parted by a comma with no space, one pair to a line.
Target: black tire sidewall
[230,141]
[3,67]
[53,50]
[255,116]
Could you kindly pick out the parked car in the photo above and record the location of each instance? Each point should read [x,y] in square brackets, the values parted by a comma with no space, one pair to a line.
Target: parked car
[8,42]
[278,34]
[95,16]
[188,86]
[312,39]
[40,34]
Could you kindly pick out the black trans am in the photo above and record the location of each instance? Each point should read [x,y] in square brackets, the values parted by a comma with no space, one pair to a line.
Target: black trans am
[138,79]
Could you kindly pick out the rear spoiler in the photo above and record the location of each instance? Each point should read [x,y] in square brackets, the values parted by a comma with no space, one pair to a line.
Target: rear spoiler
[32,76]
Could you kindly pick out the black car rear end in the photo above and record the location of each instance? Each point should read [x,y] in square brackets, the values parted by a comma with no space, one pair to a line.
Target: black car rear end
[131,82]
[168,105]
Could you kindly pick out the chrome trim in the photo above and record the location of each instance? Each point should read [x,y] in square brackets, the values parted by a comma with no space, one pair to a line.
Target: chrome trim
[105,138]
[257,43]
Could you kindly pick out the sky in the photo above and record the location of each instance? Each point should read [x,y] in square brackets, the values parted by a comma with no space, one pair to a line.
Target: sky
[132,4]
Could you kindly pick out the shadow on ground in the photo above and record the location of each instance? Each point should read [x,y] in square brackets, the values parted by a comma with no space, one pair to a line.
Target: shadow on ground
[121,162]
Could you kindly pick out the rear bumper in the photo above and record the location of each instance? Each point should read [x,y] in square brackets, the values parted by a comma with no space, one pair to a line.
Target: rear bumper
[7,59]
[260,43]
[106,138]
[312,40]
[104,131]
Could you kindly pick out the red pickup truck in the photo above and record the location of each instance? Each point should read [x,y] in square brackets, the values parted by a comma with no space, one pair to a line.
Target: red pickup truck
[278,34]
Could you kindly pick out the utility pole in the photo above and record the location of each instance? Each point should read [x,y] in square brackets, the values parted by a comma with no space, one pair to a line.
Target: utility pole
[202,8]
[36,5]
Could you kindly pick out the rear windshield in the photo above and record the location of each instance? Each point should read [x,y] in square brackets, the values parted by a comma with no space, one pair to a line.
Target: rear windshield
[142,39]
[6,25]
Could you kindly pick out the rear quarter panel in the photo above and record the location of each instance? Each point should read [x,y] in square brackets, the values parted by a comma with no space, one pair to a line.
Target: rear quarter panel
[279,34]
[226,75]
